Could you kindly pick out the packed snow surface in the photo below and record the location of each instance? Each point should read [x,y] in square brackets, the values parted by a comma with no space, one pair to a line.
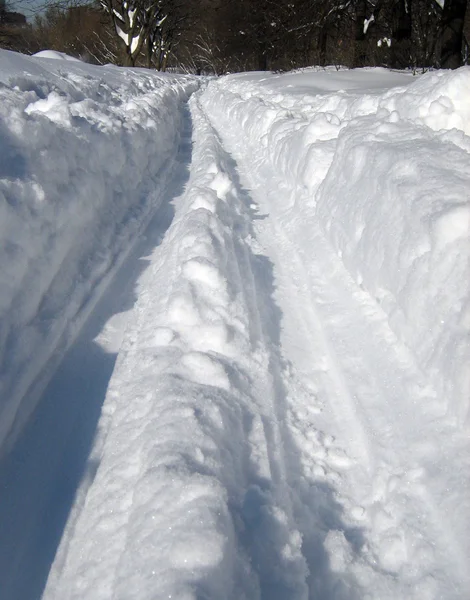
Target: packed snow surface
[263,285]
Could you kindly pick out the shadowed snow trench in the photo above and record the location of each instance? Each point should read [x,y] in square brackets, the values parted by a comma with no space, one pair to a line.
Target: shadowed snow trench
[237,417]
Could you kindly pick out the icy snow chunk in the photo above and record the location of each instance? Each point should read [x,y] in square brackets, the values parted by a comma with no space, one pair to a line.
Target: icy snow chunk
[55,107]
[450,226]
[339,550]
[324,126]
[222,185]
[163,336]
[204,201]
[182,311]
[393,552]
[205,272]
[203,368]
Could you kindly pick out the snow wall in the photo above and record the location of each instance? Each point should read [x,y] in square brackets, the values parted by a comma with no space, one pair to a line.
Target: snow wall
[85,152]
[388,177]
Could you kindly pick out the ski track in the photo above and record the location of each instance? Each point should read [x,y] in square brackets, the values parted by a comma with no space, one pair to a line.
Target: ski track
[345,361]
[243,449]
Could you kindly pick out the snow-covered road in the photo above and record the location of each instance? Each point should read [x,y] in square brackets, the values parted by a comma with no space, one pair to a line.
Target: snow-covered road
[270,399]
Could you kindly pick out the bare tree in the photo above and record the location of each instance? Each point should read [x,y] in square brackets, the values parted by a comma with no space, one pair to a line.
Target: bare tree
[220,36]
[150,27]
[170,22]
[12,27]
[131,20]
[208,54]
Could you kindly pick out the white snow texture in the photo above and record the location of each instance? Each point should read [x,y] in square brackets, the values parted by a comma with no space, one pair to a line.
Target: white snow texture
[81,158]
[288,414]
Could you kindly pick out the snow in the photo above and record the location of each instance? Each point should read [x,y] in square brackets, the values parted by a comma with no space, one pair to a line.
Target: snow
[367,23]
[384,40]
[80,164]
[54,54]
[374,202]
[135,43]
[262,281]
[375,147]
[124,36]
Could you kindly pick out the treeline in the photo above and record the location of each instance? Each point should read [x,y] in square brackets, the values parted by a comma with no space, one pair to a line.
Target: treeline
[219,36]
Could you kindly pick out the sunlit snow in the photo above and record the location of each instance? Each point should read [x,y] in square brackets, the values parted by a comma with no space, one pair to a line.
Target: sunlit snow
[235,318]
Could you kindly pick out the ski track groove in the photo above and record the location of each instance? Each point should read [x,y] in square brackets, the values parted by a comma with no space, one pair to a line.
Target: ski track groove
[278,437]
[259,301]
[357,406]
[84,494]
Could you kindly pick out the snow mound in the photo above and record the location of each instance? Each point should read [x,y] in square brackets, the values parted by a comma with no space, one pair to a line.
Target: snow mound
[388,176]
[84,151]
[55,55]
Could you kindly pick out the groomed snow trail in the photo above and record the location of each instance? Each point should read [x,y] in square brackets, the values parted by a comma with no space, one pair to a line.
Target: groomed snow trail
[268,432]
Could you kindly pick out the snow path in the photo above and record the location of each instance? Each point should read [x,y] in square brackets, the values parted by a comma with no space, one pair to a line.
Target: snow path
[343,369]
[240,418]
[354,392]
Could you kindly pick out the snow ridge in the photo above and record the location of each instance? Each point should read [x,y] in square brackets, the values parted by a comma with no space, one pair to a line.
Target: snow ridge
[191,486]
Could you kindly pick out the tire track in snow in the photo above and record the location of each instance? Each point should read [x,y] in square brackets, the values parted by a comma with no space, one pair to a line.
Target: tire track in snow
[269,532]
[314,462]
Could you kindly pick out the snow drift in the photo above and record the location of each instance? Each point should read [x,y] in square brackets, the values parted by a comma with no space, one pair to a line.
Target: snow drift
[84,153]
[388,176]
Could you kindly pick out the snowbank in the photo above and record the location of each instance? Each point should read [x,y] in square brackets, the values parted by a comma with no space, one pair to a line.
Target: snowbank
[387,173]
[84,153]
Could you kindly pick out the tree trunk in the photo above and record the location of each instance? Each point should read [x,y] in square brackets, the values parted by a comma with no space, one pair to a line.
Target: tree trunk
[164,61]
[128,60]
[149,51]
[360,36]
[322,43]
[401,35]
[453,17]
[262,60]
